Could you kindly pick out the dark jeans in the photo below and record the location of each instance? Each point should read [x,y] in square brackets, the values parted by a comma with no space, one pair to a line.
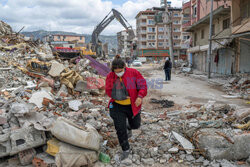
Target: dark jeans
[120,114]
[168,74]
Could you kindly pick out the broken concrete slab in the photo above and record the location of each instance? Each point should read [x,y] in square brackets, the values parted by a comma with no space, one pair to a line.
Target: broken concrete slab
[19,109]
[5,145]
[74,104]
[223,144]
[241,113]
[173,150]
[56,69]
[37,98]
[26,138]
[81,86]
[26,156]
[187,145]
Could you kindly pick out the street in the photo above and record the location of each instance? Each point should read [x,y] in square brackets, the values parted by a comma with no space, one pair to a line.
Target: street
[185,90]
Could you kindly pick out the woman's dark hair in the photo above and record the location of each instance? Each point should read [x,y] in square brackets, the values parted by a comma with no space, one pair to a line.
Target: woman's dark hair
[117,63]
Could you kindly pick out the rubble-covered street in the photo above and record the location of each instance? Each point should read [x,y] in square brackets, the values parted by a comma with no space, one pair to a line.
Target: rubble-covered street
[53,112]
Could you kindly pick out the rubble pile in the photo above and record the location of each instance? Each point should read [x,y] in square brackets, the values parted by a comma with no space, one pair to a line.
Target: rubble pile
[238,86]
[53,113]
[38,90]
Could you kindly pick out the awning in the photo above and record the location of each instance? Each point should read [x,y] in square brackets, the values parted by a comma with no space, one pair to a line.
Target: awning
[216,44]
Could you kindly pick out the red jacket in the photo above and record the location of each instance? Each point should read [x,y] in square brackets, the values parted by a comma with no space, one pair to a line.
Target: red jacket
[135,83]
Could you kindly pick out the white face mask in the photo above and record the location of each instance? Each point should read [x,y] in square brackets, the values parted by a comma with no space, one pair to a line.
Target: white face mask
[120,74]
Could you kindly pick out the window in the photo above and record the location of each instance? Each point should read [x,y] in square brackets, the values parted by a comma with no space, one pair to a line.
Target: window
[160,36]
[160,44]
[58,37]
[213,29]
[176,15]
[202,34]
[160,29]
[151,22]
[226,23]
[176,44]
[176,22]
[176,37]
[151,44]
[151,29]
[186,15]
[151,37]
[80,38]
[244,9]
[174,51]
[194,11]
[176,29]
[185,37]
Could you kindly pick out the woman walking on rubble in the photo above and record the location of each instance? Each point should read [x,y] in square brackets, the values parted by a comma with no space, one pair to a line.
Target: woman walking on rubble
[126,87]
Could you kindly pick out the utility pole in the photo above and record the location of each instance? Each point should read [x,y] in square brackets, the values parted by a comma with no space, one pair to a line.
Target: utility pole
[168,24]
[210,40]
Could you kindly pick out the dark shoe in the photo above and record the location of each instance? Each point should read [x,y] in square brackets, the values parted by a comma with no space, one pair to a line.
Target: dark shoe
[124,155]
[129,132]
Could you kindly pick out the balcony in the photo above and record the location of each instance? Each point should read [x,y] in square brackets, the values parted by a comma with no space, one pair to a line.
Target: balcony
[143,31]
[143,39]
[143,24]
[193,20]
[184,25]
[142,46]
[186,5]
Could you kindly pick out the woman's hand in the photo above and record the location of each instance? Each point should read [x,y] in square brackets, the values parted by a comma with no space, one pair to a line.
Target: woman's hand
[138,101]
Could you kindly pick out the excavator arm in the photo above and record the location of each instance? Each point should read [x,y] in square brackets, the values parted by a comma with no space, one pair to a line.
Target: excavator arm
[104,23]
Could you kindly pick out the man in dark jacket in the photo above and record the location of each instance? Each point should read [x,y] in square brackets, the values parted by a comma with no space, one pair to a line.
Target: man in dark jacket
[167,69]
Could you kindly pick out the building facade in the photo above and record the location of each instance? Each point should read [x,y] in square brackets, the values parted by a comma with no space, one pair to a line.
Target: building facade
[240,17]
[152,37]
[124,45]
[223,55]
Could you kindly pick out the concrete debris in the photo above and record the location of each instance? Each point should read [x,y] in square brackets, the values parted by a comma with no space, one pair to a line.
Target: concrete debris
[75,104]
[38,97]
[173,150]
[26,156]
[187,145]
[223,144]
[56,69]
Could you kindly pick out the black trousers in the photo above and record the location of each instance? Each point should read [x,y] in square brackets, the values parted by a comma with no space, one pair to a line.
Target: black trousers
[168,74]
[120,114]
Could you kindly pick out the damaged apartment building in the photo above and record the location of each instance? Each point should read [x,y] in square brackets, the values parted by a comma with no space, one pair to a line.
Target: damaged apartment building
[153,39]
[230,36]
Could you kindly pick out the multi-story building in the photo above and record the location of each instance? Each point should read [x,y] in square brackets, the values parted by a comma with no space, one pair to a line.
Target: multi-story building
[241,33]
[185,23]
[153,38]
[124,44]
[223,56]
[65,40]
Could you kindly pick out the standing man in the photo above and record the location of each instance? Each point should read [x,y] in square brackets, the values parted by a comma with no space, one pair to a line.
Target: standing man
[126,87]
[167,69]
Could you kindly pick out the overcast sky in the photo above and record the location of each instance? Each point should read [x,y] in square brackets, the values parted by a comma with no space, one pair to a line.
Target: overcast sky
[80,16]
